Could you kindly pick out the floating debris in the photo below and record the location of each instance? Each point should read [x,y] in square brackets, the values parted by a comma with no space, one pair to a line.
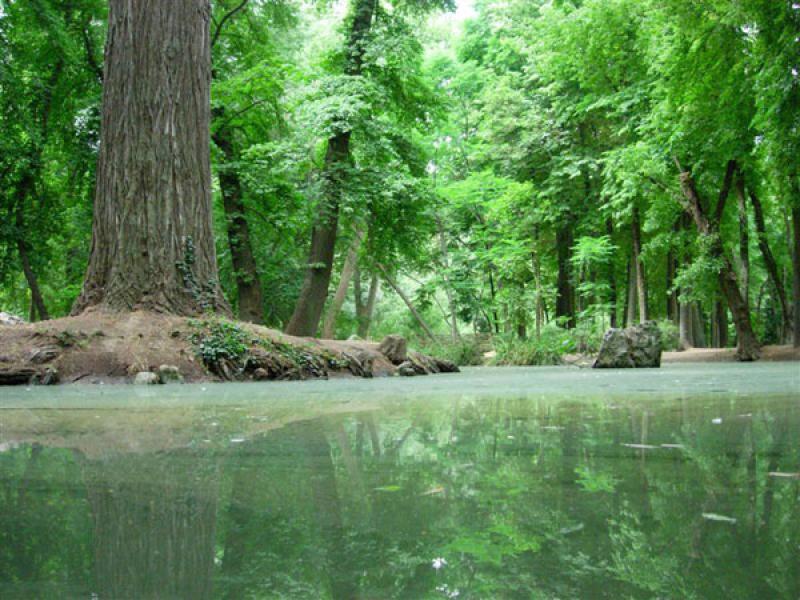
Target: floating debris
[573,529]
[237,440]
[552,428]
[716,421]
[720,518]
[673,446]
[434,490]
[641,446]
[784,475]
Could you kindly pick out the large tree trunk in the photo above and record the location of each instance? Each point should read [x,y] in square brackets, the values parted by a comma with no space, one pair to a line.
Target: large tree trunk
[248,283]
[152,240]
[612,279]
[310,304]
[630,302]
[685,325]
[796,270]
[747,343]
[565,294]
[769,261]
[349,267]
[744,238]
[641,282]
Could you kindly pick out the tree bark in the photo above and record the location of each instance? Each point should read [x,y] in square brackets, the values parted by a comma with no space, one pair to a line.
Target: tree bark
[698,327]
[349,267]
[630,303]
[425,327]
[565,294]
[747,344]
[248,282]
[769,261]
[641,282]
[37,301]
[308,310]
[612,279]
[744,238]
[152,239]
[685,325]
[451,303]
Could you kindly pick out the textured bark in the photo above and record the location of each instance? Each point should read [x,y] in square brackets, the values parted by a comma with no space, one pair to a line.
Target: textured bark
[744,238]
[348,269]
[719,326]
[630,301]
[311,302]
[641,281]
[769,261]
[248,282]
[698,327]
[747,344]
[152,240]
[565,293]
[392,284]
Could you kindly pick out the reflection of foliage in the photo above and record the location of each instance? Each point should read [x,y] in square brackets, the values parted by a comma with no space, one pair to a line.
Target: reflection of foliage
[595,481]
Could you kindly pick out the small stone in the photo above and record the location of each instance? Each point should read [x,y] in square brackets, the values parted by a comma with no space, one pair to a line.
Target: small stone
[43,355]
[406,369]
[395,348]
[145,378]
[169,374]
[260,374]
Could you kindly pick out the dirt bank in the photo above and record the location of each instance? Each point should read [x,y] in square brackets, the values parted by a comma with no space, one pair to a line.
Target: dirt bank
[768,353]
[99,346]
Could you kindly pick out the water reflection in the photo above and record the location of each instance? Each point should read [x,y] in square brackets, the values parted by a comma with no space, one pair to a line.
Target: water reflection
[482,498]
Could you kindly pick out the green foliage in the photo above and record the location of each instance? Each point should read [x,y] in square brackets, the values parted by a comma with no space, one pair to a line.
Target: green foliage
[217,339]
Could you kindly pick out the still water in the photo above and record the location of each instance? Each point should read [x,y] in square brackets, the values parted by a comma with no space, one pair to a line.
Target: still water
[682,482]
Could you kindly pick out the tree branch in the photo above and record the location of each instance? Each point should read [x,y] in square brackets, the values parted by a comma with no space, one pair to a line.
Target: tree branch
[224,19]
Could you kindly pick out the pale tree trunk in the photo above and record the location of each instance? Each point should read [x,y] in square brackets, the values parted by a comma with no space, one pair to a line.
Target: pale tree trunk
[365,310]
[630,303]
[744,239]
[641,282]
[392,284]
[456,336]
[308,310]
[152,239]
[685,325]
[748,348]
[349,267]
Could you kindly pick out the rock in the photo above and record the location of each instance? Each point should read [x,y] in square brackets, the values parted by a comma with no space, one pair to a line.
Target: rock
[169,374]
[145,378]
[394,348]
[43,355]
[48,377]
[406,369]
[9,319]
[635,347]
[359,363]
[260,374]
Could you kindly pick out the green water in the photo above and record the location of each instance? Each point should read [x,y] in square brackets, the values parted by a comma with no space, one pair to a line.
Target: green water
[493,483]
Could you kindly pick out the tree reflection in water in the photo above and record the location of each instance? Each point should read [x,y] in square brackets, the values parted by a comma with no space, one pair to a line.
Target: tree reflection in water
[470,499]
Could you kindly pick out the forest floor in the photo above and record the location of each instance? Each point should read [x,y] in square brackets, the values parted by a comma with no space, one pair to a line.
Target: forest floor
[104,347]
[703,355]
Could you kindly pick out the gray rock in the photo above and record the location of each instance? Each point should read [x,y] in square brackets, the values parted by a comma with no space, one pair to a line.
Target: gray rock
[9,319]
[406,369]
[145,378]
[635,347]
[169,374]
[260,374]
[395,348]
[43,355]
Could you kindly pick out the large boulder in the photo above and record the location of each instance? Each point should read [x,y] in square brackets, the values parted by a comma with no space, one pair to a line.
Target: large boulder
[394,348]
[634,347]
[9,319]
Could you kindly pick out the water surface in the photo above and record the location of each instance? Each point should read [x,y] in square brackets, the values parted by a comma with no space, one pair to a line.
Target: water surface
[494,483]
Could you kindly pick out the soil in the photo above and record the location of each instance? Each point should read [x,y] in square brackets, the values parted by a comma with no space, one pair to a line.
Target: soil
[105,347]
[703,355]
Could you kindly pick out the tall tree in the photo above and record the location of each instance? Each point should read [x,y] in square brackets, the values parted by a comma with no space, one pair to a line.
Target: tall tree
[152,241]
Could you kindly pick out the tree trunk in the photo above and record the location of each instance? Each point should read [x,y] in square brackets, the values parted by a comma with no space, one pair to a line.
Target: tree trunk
[769,261]
[308,310]
[744,239]
[641,282]
[37,301]
[685,325]
[364,311]
[448,288]
[349,267]
[747,343]
[612,279]
[630,303]
[719,326]
[796,270]
[152,240]
[565,294]
[698,327]
[408,303]
[248,282]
